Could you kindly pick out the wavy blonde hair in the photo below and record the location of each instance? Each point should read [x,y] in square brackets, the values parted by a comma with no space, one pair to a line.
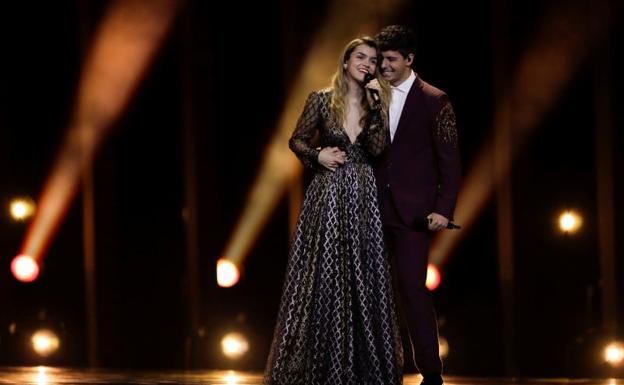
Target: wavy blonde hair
[340,85]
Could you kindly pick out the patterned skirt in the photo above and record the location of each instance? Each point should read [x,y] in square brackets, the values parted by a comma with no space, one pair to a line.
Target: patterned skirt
[337,323]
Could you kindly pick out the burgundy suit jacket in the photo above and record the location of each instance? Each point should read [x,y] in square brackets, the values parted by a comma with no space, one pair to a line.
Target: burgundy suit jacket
[421,169]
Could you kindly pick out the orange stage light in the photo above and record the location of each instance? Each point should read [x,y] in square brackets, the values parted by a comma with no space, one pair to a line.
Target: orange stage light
[433,277]
[25,268]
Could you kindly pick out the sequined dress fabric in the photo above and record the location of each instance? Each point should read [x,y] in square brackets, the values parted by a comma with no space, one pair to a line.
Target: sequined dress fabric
[336,323]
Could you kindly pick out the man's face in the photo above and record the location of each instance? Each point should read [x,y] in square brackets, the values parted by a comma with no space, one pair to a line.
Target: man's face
[395,68]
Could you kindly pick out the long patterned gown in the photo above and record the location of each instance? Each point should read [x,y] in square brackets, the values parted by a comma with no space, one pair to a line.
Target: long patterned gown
[337,323]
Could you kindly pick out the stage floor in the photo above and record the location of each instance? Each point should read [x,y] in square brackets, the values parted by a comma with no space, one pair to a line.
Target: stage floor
[52,376]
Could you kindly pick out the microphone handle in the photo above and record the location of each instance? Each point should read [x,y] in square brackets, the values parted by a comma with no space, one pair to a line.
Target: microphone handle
[374,94]
[423,224]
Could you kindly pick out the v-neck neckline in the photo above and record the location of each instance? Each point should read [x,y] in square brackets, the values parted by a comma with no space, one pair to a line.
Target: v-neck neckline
[344,131]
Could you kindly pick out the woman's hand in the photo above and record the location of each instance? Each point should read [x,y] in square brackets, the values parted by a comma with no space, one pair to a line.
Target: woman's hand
[331,158]
[373,87]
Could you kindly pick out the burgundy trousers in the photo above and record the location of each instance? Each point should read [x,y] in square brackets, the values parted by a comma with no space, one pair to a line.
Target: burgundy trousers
[409,251]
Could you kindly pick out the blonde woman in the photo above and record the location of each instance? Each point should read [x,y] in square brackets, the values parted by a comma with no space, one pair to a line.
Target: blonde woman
[337,323]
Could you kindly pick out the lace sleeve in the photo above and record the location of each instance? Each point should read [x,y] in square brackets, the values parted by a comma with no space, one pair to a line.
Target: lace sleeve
[300,141]
[376,132]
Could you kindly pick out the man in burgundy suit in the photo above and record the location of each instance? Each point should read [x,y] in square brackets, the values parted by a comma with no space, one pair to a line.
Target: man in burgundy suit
[418,179]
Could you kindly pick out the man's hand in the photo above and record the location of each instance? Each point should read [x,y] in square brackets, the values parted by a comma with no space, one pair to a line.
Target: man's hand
[437,222]
[331,158]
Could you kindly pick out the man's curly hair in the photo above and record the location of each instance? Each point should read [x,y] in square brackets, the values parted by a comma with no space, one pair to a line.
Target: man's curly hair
[397,38]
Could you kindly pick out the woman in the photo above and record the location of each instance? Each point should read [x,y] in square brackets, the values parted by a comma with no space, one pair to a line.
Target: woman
[336,323]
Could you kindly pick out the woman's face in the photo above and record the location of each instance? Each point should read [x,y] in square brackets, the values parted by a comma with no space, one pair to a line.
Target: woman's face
[363,60]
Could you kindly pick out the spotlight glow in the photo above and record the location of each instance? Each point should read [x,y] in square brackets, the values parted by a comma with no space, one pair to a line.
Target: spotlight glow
[433,277]
[122,49]
[227,273]
[22,208]
[41,378]
[45,342]
[444,347]
[25,268]
[549,64]
[231,378]
[234,345]
[614,353]
[570,222]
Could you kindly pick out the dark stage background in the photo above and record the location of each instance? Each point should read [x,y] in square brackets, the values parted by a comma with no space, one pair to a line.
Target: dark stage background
[226,71]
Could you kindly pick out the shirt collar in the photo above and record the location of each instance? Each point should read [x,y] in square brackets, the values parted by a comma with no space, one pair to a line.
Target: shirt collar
[407,84]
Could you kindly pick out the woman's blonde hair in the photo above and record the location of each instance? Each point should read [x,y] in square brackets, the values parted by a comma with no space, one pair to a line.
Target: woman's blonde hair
[340,84]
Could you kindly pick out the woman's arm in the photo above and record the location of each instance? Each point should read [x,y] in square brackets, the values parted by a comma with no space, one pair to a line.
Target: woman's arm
[300,141]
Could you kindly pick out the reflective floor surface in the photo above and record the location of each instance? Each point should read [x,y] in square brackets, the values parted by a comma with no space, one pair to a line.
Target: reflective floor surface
[51,376]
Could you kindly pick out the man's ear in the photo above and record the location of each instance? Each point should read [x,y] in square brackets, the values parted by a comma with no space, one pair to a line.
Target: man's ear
[410,59]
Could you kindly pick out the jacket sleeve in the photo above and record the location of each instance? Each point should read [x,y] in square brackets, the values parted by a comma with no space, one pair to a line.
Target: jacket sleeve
[445,141]
[376,134]
[307,124]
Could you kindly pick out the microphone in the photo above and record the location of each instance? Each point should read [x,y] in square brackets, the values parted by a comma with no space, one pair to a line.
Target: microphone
[374,94]
[423,224]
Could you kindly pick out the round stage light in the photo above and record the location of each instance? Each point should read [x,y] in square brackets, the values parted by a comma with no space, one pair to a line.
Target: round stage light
[614,353]
[433,277]
[227,273]
[22,208]
[25,268]
[234,345]
[45,342]
[570,222]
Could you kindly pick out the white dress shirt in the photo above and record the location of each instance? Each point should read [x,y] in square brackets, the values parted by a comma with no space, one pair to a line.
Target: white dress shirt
[399,94]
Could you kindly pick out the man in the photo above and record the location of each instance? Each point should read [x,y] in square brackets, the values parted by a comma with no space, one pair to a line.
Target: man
[418,180]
